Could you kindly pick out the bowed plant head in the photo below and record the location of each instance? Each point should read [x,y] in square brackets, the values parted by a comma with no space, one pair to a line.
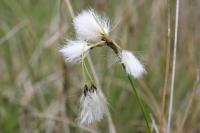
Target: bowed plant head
[92,31]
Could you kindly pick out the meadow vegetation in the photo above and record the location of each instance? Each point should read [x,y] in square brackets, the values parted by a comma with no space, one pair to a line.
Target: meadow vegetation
[40,93]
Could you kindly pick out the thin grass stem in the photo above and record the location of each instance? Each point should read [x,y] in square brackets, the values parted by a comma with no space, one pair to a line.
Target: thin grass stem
[173,68]
[69,6]
[87,72]
[98,44]
[116,51]
[188,107]
[140,103]
[166,69]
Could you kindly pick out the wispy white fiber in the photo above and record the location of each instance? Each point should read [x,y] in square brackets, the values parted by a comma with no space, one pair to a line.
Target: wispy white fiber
[74,50]
[93,107]
[132,64]
[90,26]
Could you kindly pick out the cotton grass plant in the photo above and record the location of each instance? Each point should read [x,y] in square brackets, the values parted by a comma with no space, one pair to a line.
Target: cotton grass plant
[92,31]
[93,105]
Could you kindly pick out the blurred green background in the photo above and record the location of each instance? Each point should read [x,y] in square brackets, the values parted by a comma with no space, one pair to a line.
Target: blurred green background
[40,93]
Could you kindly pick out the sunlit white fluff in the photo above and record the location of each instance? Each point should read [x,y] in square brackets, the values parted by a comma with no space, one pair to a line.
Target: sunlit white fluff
[74,50]
[93,107]
[132,64]
[90,26]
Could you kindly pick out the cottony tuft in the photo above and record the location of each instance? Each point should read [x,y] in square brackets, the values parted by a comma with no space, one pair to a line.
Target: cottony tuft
[90,26]
[75,50]
[132,64]
[93,105]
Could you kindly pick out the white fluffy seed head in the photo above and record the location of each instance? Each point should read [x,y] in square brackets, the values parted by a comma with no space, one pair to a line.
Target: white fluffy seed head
[75,50]
[90,26]
[93,107]
[132,64]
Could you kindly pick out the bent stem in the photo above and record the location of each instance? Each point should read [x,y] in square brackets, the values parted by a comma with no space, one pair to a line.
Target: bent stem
[85,71]
[98,44]
[140,103]
[116,48]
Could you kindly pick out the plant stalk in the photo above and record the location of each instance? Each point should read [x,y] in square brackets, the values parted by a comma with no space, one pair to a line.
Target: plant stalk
[140,103]
[116,48]
[173,69]
[168,55]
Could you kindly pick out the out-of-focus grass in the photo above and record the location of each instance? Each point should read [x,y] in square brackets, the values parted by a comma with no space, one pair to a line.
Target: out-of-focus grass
[31,81]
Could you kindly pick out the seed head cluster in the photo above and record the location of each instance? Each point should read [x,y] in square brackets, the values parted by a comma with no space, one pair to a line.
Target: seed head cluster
[93,105]
[90,26]
[74,50]
[132,64]
[91,31]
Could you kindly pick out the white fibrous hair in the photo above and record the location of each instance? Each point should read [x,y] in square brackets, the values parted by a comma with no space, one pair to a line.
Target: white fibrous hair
[93,106]
[132,64]
[75,50]
[90,26]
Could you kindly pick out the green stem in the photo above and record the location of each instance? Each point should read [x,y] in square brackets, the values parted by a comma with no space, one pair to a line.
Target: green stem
[87,72]
[140,103]
[116,49]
